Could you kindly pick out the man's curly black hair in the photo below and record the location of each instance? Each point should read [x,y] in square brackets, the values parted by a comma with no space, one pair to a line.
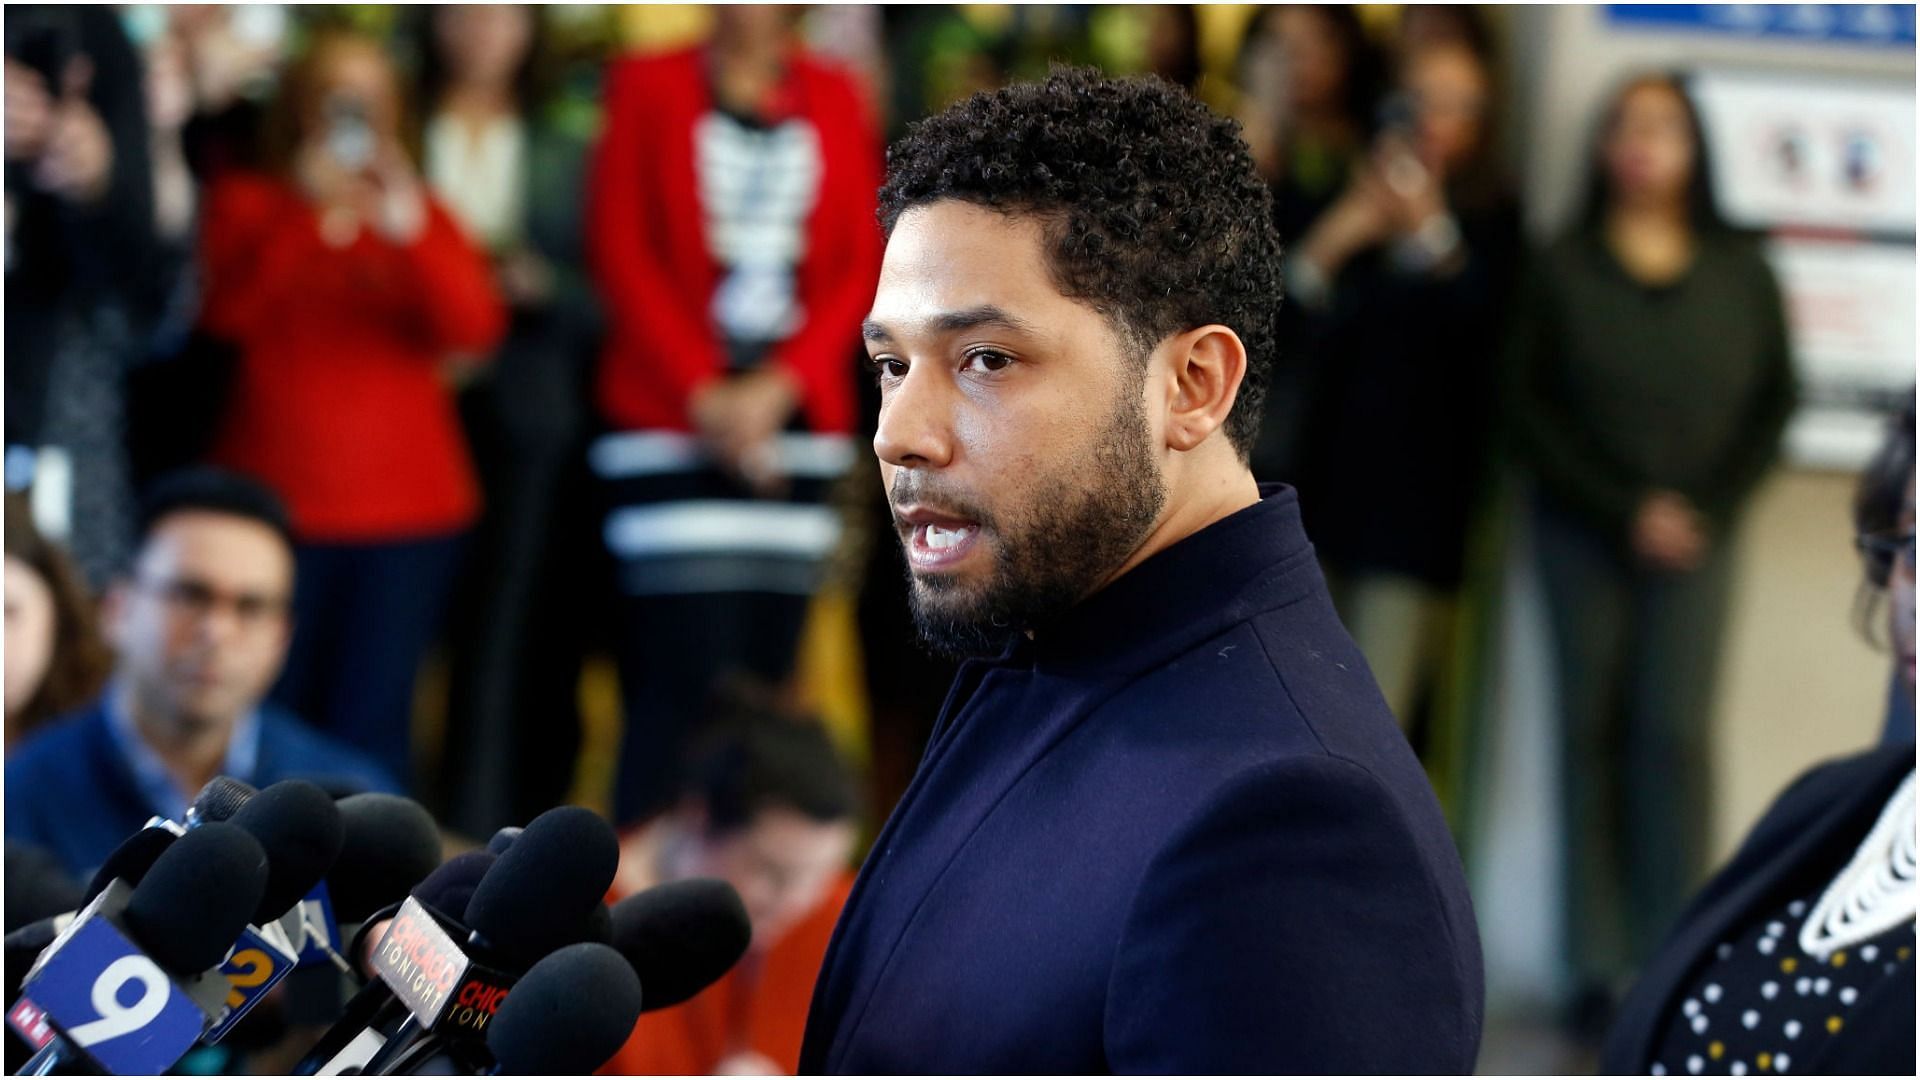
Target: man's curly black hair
[1152,209]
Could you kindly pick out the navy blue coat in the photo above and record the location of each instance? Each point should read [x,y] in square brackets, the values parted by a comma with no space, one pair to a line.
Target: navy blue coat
[72,793]
[1177,831]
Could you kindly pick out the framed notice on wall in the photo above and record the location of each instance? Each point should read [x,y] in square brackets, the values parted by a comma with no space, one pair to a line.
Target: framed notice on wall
[1825,168]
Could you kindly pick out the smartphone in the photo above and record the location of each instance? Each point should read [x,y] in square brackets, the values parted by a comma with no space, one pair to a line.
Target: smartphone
[349,134]
[1397,115]
[1398,131]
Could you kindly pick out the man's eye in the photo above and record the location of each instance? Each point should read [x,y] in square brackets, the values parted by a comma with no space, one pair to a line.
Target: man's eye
[887,367]
[988,360]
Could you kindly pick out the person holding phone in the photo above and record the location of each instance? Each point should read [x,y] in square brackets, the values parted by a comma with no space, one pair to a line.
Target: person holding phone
[357,306]
[1401,284]
[79,246]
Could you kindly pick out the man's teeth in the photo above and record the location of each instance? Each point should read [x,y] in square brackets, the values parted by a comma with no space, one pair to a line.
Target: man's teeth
[939,538]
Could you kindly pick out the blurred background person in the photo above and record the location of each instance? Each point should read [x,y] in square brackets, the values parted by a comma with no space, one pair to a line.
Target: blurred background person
[199,625]
[1310,81]
[1402,284]
[513,175]
[1648,386]
[356,304]
[1173,45]
[731,230]
[1423,26]
[770,808]
[55,658]
[79,243]
[209,70]
[1798,956]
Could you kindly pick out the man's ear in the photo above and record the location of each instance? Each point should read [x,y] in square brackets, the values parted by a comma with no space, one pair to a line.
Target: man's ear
[1207,365]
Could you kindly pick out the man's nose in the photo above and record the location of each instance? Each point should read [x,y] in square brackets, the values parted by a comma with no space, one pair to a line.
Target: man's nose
[916,422]
[219,623]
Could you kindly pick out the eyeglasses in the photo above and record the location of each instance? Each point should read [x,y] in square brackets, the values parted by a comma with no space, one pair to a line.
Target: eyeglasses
[197,600]
[1882,548]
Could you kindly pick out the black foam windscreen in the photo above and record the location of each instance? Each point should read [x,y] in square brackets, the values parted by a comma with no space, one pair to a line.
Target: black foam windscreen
[221,799]
[389,845]
[681,937]
[36,886]
[299,826]
[449,889]
[569,1014]
[131,860]
[504,839]
[541,889]
[598,926]
[199,894]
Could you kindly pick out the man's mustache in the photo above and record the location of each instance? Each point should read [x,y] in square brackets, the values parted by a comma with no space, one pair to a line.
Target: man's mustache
[909,490]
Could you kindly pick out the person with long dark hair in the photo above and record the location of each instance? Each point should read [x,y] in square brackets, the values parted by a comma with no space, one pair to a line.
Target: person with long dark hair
[1798,956]
[56,658]
[1310,80]
[1401,286]
[1648,384]
[512,175]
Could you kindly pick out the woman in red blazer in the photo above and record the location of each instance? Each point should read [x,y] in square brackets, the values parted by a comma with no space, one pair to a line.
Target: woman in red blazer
[731,231]
[356,306]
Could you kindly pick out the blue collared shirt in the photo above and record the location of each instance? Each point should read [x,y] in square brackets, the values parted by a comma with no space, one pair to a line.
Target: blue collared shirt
[158,786]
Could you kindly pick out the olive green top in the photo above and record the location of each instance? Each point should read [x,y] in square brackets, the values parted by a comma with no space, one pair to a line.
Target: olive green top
[1614,388]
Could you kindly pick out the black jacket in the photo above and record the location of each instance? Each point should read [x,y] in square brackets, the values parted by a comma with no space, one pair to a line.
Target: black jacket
[1819,820]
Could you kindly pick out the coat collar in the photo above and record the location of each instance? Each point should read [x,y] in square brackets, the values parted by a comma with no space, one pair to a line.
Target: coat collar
[1244,564]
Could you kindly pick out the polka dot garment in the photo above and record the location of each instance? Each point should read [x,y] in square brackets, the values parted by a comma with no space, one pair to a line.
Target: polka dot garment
[1759,1004]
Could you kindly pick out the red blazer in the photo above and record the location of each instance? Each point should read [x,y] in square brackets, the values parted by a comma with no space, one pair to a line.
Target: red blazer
[341,400]
[648,246]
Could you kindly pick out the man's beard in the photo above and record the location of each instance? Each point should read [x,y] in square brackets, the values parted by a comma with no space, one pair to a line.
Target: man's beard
[1074,537]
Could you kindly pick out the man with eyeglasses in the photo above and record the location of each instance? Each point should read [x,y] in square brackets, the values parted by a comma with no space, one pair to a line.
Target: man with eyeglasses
[200,626]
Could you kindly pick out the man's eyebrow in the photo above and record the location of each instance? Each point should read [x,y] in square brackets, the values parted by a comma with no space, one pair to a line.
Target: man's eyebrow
[949,322]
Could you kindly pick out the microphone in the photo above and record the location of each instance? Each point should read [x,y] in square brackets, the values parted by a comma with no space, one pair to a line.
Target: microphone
[374,1014]
[389,845]
[36,886]
[681,937]
[544,892]
[545,885]
[219,800]
[299,828]
[130,861]
[164,937]
[568,1015]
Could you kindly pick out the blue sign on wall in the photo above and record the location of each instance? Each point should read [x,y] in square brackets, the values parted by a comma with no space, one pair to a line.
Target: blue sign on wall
[1830,24]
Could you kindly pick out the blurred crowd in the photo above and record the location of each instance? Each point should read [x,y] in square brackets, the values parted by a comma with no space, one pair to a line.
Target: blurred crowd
[373,374]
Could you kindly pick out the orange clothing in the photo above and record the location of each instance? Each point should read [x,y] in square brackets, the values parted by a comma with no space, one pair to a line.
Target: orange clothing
[760,1006]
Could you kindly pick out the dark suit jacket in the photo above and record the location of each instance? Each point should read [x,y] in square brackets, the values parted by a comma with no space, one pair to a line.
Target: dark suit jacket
[71,791]
[1178,831]
[1814,826]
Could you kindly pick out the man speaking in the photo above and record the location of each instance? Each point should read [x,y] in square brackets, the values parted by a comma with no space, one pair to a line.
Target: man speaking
[1166,822]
